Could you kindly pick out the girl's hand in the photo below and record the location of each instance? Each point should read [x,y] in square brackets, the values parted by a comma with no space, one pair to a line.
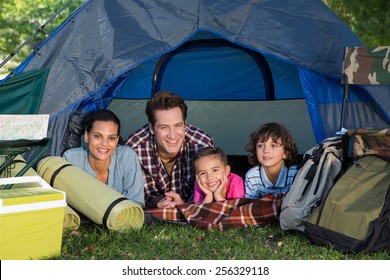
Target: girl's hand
[208,194]
[220,192]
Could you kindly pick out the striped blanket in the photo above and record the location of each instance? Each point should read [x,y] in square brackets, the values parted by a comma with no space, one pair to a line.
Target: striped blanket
[235,213]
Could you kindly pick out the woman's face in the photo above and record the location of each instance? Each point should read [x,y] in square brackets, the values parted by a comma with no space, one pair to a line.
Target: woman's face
[102,140]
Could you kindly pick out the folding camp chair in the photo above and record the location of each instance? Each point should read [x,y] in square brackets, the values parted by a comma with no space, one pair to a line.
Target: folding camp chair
[20,134]
[364,66]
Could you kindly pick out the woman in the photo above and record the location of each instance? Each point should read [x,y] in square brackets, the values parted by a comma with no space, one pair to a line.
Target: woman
[115,165]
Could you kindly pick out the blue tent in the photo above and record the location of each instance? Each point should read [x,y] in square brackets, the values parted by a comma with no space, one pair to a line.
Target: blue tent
[238,64]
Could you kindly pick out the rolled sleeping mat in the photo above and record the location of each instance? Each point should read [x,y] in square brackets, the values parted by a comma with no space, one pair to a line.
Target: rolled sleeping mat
[71,218]
[17,165]
[92,198]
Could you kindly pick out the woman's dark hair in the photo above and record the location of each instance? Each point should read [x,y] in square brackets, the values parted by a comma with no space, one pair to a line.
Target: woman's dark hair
[102,115]
[210,151]
[164,100]
[277,133]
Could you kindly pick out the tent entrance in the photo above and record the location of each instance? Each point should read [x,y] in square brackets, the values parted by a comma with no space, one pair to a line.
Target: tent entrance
[208,67]
[228,122]
[214,69]
[229,90]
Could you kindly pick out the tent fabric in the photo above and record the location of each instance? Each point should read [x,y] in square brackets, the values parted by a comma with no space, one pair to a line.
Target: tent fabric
[108,38]
[22,94]
[105,44]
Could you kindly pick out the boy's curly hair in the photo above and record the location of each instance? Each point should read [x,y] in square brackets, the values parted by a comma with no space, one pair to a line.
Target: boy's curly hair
[278,134]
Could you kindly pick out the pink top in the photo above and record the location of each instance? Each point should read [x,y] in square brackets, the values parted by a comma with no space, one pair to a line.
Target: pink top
[235,189]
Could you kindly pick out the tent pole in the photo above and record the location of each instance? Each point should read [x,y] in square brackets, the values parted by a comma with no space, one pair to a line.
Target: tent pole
[345,102]
[34,34]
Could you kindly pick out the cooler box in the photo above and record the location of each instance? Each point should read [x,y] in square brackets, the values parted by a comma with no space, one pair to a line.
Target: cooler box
[31,219]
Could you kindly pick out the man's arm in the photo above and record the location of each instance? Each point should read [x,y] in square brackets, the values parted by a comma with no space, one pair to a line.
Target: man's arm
[152,194]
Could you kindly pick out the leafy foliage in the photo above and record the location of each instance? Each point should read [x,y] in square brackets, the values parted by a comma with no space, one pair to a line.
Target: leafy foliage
[368,19]
[19,19]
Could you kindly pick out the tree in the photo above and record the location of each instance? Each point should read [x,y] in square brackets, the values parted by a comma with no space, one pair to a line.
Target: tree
[368,19]
[19,19]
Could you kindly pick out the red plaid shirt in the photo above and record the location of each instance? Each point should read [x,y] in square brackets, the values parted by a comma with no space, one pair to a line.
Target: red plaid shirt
[157,180]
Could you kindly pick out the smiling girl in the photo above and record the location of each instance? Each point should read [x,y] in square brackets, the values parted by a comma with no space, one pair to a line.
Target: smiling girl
[214,181]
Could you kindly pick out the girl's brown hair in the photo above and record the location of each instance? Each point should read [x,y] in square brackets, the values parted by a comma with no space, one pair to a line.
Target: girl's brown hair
[210,151]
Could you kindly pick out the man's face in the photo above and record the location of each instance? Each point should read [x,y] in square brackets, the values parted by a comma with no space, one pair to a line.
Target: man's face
[169,131]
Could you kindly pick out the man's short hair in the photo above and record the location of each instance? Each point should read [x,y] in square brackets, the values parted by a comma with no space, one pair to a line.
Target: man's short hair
[164,100]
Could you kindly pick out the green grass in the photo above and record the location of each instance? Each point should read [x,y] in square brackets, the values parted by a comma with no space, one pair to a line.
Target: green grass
[167,241]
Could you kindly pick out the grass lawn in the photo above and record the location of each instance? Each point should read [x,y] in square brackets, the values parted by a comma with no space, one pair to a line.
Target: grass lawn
[167,241]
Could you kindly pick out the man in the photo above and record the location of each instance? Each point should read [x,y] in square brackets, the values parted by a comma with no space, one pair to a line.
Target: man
[165,147]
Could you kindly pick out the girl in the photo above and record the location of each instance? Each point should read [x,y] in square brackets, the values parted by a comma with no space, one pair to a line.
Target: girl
[272,149]
[214,182]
